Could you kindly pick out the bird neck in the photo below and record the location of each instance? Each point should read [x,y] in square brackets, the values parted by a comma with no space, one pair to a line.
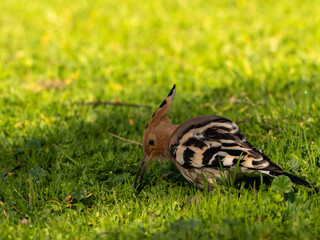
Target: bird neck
[167,130]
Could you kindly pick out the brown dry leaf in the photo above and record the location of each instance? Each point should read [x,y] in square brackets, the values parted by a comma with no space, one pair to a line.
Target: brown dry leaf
[18,124]
[24,221]
[69,198]
[259,219]
[54,84]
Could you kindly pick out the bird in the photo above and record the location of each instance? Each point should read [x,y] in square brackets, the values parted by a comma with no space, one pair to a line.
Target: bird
[205,149]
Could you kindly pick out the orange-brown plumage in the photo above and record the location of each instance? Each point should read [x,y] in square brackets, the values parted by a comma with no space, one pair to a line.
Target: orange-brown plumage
[207,147]
[157,135]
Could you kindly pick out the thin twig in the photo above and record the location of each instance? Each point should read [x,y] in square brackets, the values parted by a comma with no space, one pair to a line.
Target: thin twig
[272,120]
[20,165]
[287,118]
[269,126]
[124,139]
[234,100]
[113,103]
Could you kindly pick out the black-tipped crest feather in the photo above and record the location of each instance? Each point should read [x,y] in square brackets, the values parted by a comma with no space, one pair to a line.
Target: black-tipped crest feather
[163,109]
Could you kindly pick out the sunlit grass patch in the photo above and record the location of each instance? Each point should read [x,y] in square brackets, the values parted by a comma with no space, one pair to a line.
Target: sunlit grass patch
[63,176]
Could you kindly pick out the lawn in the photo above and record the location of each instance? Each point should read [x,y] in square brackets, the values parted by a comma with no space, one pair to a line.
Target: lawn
[62,176]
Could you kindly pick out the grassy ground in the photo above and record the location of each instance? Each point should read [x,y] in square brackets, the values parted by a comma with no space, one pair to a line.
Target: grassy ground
[239,59]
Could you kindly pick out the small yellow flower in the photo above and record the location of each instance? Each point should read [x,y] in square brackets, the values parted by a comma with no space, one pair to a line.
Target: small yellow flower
[116,87]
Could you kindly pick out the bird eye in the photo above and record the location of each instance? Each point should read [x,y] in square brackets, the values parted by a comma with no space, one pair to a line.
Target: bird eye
[151,142]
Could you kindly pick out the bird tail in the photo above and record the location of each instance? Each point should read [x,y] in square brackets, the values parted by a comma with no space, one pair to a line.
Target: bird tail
[298,180]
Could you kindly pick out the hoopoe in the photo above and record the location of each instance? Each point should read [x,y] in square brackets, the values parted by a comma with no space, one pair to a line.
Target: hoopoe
[204,148]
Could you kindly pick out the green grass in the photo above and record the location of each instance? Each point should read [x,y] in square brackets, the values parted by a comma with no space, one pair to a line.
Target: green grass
[239,59]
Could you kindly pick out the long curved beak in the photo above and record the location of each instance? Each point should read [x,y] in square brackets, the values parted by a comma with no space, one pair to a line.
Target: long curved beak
[143,166]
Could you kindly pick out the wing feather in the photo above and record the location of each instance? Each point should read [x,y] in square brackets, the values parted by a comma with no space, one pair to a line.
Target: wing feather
[214,141]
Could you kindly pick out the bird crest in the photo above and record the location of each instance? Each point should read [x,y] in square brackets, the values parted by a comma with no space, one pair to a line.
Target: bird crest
[163,109]
[159,129]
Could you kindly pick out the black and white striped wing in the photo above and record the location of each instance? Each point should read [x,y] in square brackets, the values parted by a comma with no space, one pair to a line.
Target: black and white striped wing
[214,142]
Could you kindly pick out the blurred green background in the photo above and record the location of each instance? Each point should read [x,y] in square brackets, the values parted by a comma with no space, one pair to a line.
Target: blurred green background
[126,44]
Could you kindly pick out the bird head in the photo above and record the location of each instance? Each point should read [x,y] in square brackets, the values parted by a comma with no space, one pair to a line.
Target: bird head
[156,135]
